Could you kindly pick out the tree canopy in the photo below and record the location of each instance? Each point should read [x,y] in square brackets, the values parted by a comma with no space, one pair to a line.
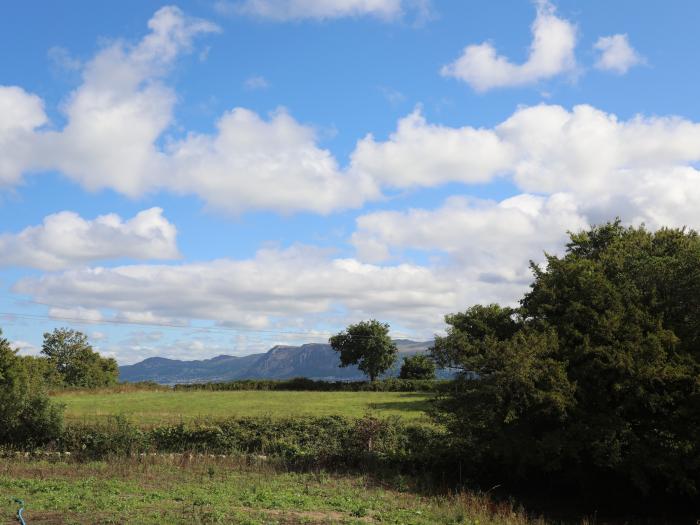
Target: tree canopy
[417,366]
[366,344]
[597,374]
[70,353]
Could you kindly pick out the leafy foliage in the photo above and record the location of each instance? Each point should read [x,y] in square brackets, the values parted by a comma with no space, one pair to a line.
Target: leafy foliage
[70,353]
[366,344]
[417,366]
[26,414]
[597,376]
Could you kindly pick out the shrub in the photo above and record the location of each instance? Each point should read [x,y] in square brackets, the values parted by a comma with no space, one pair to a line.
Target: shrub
[331,441]
[417,367]
[27,417]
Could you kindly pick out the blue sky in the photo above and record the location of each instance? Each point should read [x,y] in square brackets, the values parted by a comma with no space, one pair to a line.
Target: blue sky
[219,176]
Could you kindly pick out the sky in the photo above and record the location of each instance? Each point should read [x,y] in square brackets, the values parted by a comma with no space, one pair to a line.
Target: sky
[219,176]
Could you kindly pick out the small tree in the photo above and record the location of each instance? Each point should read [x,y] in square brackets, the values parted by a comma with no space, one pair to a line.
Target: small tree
[418,366]
[26,413]
[366,344]
[72,355]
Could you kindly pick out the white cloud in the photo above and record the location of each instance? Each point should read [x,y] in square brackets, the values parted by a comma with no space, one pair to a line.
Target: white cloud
[65,239]
[551,53]
[283,10]
[25,347]
[76,314]
[117,119]
[616,54]
[628,168]
[122,107]
[422,154]
[642,169]
[20,114]
[270,164]
[276,289]
[489,241]
[256,82]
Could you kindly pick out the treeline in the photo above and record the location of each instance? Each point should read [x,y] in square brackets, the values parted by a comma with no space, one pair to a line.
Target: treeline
[311,385]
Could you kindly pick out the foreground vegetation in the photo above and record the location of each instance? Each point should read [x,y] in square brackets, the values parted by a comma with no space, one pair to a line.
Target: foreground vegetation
[178,489]
[154,407]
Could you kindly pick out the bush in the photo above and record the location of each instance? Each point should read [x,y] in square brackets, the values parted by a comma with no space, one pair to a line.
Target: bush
[331,441]
[27,417]
[417,367]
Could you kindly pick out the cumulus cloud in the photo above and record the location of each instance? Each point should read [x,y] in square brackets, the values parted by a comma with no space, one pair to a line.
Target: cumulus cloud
[551,53]
[616,54]
[491,242]
[637,169]
[276,288]
[479,232]
[117,118]
[20,114]
[65,239]
[422,154]
[271,164]
[283,10]
[642,169]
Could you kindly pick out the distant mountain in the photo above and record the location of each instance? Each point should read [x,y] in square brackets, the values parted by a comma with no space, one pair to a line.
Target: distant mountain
[314,360]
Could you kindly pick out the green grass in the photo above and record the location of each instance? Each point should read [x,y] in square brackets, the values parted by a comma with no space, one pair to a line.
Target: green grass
[225,490]
[153,407]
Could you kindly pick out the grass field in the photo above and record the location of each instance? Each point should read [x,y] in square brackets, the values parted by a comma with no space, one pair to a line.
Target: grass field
[224,490]
[152,407]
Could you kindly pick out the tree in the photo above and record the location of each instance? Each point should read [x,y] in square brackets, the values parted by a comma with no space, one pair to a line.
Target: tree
[366,344]
[70,353]
[595,379]
[26,414]
[42,374]
[418,366]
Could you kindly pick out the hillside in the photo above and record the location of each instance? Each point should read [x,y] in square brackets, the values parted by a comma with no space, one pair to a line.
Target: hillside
[313,360]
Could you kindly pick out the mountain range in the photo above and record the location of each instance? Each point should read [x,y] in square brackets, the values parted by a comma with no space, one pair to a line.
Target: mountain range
[313,360]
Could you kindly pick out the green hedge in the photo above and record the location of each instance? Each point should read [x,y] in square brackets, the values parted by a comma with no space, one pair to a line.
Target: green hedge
[331,441]
[303,383]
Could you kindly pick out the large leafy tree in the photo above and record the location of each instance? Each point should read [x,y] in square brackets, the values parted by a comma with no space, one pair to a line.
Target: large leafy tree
[70,353]
[26,413]
[597,375]
[366,344]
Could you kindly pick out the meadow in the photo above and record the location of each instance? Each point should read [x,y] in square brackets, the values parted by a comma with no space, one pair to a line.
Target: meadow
[157,406]
[178,489]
